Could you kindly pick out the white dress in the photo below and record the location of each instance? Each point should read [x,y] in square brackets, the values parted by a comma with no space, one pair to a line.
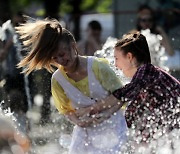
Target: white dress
[105,138]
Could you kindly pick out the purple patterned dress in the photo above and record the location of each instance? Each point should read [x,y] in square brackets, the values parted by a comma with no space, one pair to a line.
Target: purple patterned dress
[153,101]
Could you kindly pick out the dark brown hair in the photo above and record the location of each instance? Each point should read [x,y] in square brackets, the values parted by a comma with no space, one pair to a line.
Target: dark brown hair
[95,25]
[136,44]
[42,38]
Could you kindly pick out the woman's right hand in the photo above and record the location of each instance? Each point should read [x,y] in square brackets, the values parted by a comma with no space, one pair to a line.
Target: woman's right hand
[87,111]
[83,112]
[93,119]
[86,121]
[82,124]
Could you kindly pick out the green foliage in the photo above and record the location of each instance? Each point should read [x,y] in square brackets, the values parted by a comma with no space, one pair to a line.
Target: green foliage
[17,5]
[88,5]
[104,6]
[101,6]
[65,7]
[40,12]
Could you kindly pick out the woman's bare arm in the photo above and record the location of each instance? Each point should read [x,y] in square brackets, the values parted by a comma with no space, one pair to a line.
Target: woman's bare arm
[104,115]
[102,105]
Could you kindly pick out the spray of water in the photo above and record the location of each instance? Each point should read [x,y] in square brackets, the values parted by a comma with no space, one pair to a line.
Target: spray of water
[162,144]
[168,144]
[12,140]
[7,26]
[157,51]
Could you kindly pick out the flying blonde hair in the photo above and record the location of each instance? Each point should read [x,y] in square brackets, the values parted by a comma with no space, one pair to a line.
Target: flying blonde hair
[41,37]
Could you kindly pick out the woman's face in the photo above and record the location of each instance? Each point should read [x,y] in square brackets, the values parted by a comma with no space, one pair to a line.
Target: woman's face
[65,55]
[145,19]
[124,62]
[93,34]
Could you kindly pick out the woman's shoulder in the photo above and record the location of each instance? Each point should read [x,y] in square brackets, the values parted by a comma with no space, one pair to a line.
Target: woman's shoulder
[100,64]
[55,77]
[160,30]
[55,73]
[58,72]
[100,61]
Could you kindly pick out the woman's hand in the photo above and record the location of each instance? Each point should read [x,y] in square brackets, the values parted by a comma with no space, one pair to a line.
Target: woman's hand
[81,123]
[94,119]
[87,111]
[99,106]
[86,121]
[83,112]
[99,118]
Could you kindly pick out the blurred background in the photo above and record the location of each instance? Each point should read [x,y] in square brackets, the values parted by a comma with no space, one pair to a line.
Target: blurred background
[29,97]
[116,16]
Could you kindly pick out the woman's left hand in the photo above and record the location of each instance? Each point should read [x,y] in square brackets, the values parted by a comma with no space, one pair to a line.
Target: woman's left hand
[83,112]
[99,118]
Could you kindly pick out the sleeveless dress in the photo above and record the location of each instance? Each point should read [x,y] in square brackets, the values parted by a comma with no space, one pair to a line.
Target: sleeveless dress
[105,138]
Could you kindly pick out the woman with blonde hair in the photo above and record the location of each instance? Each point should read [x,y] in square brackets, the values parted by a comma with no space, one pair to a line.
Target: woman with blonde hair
[78,82]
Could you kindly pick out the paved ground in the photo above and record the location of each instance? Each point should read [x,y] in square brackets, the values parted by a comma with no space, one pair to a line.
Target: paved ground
[52,138]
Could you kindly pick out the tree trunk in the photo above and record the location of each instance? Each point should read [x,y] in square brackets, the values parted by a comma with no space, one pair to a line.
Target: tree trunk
[52,8]
[5,12]
[76,16]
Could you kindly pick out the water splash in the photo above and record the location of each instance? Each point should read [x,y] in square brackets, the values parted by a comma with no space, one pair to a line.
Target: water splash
[107,52]
[61,128]
[7,26]
[6,112]
[157,51]
[162,144]
[12,140]
[167,144]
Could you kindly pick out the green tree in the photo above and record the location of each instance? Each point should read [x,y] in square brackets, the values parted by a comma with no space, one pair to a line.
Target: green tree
[54,8]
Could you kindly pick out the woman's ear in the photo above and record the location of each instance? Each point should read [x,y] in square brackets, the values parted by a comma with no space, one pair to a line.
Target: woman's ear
[131,59]
[129,56]
[74,46]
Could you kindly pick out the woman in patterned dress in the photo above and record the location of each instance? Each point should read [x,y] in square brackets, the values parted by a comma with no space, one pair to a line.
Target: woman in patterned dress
[152,97]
